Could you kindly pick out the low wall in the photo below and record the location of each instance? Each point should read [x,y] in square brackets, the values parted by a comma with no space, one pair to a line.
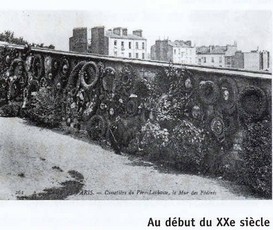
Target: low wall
[197,119]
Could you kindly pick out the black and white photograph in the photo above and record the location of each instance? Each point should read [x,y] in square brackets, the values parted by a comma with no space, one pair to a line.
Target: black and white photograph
[112,105]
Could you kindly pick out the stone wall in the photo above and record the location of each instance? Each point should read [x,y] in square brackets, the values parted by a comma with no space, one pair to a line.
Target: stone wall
[196,119]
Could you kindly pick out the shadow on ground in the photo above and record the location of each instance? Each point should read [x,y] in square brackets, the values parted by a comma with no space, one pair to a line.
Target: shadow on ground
[68,188]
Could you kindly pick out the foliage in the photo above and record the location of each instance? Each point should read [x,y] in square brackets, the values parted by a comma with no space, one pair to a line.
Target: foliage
[170,110]
[171,137]
[189,145]
[153,132]
[183,148]
[172,102]
[257,171]
[10,110]
[45,108]
[8,36]
[154,140]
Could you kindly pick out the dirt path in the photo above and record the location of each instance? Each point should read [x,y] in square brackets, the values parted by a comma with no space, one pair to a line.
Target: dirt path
[38,163]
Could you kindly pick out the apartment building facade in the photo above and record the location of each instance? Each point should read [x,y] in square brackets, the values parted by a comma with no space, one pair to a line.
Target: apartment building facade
[254,60]
[118,42]
[216,56]
[179,51]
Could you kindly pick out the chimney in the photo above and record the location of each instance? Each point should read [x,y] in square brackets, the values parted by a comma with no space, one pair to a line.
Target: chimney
[137,33]
[157,42]
[210,48]
[188,43]
[97,40]
[124,32]
[117,31]
[78,31]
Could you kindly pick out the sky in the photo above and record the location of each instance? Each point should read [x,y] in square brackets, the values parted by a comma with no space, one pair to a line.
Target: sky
[250,28]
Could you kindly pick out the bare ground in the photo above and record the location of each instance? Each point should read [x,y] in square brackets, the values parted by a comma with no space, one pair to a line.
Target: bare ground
[37,163]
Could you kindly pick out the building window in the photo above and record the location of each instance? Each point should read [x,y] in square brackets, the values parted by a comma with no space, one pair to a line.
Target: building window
[130,55]
[143,46]
[115,42]
[136,45]
[122,45]
[130,47]
[228,61]
[205,60]
[116,53]
[136,55]
[220,59]
[212,59]
[174,51]
[143,56]
[268,60]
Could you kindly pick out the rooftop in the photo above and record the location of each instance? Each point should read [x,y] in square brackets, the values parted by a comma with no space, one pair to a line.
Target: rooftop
[111,34]
[211,50]
[177,43]
[79,28]
[180,43]
[228,50]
